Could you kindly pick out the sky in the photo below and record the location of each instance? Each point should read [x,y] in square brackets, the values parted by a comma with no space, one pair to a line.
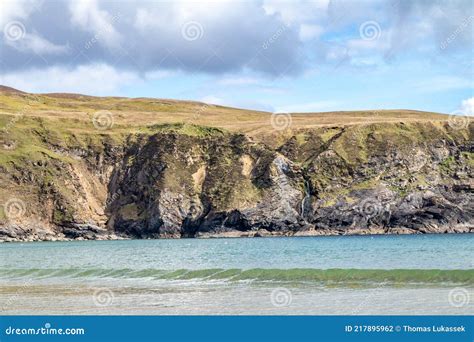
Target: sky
[277,56]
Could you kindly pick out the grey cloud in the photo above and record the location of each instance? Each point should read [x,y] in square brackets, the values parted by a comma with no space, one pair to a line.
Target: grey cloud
[147,35]
[447,25]
[230,43]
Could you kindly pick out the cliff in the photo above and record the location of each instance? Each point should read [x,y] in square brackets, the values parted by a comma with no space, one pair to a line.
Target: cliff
[79,167]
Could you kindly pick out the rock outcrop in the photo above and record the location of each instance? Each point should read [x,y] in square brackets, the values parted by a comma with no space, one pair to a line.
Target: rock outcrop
[393,178]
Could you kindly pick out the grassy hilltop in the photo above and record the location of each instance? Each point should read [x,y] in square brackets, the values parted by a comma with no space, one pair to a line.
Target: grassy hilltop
[131,114]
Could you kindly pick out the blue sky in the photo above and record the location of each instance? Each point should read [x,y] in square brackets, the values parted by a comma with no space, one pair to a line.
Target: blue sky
[295,56]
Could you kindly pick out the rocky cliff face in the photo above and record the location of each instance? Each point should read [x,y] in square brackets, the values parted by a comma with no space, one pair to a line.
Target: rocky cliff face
[377,178]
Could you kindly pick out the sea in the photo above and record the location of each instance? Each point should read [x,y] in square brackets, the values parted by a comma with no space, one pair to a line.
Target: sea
[327,275]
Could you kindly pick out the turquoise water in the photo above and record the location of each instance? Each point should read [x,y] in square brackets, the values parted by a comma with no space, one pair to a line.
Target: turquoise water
[453,251]
[311,275]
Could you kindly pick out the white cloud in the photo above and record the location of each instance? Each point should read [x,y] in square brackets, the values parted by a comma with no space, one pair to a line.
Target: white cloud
[211,99]
[150,33]
[37,44]
[309,32]
[171,17]
[297,12]
[14,16]
[16,10]
[237,103]
[187,35]
[467,106]
[252,105]
[93,79]
[87,15]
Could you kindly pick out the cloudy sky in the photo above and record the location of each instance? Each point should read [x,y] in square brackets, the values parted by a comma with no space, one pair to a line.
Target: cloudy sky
[272,55]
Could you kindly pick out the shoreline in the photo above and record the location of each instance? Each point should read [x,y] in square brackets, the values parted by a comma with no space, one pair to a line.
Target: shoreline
[261,233]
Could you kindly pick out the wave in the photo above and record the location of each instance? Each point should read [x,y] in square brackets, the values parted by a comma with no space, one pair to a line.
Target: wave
[296,275]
